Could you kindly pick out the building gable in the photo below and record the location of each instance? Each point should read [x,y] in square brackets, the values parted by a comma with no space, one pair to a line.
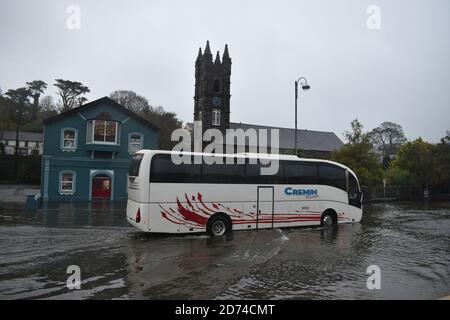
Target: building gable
[93,104]
[79,123]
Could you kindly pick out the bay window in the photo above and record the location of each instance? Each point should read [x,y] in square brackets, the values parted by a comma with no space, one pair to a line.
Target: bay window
[102,131]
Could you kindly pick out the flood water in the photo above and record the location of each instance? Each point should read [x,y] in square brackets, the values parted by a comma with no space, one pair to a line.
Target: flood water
[410,242]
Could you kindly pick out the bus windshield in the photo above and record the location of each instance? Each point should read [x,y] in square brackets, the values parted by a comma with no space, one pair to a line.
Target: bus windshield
[354,192]
[135,165]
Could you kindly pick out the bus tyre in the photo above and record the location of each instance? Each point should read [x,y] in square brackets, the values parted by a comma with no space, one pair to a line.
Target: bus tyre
[329,219]
[218,225]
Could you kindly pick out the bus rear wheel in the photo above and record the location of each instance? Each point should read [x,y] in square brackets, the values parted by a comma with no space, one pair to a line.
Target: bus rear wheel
[329,219]
[218,225]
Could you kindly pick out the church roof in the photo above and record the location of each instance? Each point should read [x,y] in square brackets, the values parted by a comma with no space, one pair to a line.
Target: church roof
[309,140]
[306,139]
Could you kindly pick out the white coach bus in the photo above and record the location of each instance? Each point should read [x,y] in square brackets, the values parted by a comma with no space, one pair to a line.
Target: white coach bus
[165,197]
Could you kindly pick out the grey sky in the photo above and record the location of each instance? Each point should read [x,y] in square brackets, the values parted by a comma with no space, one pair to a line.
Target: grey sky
[399,73]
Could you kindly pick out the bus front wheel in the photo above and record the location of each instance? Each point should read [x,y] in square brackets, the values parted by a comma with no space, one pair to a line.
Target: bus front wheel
[329,219]
[218,225]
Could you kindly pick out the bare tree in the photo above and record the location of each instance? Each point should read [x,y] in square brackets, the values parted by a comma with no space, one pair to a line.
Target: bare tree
[47,103]
[165,121]
[130,100]
[70,94]
[387,139]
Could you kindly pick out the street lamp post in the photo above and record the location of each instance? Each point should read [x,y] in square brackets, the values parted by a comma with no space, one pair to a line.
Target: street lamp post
[305,87]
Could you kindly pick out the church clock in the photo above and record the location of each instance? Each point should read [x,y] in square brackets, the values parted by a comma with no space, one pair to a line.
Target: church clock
[216,101]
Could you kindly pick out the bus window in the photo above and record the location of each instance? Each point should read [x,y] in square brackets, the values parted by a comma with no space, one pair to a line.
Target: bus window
[254,176]
[223,173]
[253,173]
[300,173]
[164,170]
[332,176]
[135,164]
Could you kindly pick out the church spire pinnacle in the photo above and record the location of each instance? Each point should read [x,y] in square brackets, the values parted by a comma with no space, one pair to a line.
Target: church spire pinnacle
[199,53]
[226,55]
[207,49]
[217,58]
[207,56]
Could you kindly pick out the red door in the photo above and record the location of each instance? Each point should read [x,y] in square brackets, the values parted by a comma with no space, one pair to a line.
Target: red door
[101,187]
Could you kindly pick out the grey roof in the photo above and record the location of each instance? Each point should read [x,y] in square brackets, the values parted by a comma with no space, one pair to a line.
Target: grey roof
[95,103]
[23,136]
[306,139]
[309,140]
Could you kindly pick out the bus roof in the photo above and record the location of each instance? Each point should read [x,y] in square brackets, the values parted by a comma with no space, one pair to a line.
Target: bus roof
[266,156]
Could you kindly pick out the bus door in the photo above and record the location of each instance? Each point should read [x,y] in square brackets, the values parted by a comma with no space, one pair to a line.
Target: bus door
[264,207]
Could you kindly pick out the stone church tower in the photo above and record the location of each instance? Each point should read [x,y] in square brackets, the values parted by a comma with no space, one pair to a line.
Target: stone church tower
[212,89]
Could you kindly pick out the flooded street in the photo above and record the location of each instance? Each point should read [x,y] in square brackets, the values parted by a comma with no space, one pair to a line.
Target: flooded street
[410,242]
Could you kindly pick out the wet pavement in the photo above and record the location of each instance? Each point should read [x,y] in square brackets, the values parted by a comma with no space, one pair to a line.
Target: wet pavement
[410,242]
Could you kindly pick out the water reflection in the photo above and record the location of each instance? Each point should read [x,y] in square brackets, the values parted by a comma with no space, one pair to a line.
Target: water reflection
[48,281]
[68,214]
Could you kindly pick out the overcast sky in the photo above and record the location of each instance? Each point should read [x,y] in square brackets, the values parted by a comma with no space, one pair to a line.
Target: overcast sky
[398,73]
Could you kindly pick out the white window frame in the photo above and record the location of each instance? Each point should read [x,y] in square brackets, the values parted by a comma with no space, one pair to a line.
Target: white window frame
[141,142]
[216,117]
[92,136]
[75,144]
[67,192]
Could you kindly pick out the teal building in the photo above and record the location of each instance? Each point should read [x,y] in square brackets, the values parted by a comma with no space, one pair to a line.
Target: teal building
[87,151]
